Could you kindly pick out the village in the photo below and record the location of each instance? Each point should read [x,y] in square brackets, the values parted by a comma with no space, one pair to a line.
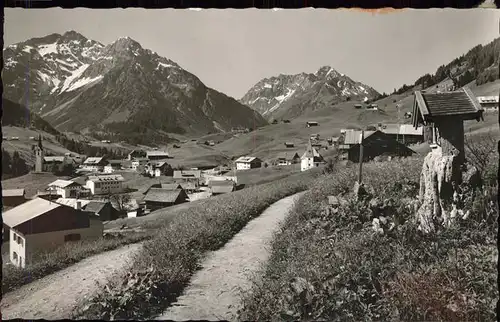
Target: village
[98,192]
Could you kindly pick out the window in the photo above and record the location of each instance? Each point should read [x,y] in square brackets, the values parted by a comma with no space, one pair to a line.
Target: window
[14,255]
[72,237]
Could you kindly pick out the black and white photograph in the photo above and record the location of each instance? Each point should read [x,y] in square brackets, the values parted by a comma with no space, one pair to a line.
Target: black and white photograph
[250,164]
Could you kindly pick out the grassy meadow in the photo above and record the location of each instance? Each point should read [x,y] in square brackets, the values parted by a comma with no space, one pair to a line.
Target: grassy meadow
[167,261]
[335,267]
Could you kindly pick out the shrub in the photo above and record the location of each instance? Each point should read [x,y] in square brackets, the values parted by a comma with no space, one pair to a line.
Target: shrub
[336,267]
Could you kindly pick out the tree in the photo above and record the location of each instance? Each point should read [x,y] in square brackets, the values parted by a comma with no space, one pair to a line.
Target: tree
[120,201]
[18,167]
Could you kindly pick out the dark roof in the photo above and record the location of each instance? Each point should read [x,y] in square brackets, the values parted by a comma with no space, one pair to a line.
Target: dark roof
[188,185]
[221,183]
[222,189]
[461,102]
[163,195]
[171,186]
[95,206]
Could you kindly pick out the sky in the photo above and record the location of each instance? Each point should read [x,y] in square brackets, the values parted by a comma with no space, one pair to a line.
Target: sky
[232,50]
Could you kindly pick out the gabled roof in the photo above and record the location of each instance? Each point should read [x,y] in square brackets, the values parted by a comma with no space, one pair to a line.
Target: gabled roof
[352,136]
[402,129]
[171,186]
[311,152]
[288,156]
[457,103]
[140,159]
[93,160]
[163,195]
[213,183]
[183,174]
[222,189]
[12,193]
[27,211]
[71,202]
[188,185]
[246,159]
[155,153]
[62,183]
[95,206]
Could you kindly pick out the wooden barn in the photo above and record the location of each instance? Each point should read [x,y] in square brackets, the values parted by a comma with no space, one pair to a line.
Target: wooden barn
[158,198]
[13,197]
[312,123]
[443,116]
[378,144]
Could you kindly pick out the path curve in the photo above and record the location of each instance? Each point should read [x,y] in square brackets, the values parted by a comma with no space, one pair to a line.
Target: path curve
[55,296]
[214,292]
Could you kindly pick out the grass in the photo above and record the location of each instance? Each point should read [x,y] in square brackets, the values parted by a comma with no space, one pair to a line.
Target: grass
[64,256]
[31,182]
[166,263]
[336,268]
[264,175]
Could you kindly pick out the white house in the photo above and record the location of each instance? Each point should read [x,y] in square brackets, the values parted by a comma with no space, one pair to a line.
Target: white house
[112,166]
[245,163]
[39,225]
[65,188]
[104,184]
[139,162]
[94,164]
[310,159]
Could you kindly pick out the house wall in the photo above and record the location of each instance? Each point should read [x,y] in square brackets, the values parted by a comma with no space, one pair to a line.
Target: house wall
[98,188]
[158,205]
[451,137]
[242,166]
[372,151]
[33,244]
[97,168]
[308,163]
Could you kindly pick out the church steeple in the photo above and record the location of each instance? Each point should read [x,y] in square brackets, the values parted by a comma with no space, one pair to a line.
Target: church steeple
[40,141]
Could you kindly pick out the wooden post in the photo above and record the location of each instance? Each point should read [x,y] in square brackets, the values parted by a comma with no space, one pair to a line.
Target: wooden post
[361,136]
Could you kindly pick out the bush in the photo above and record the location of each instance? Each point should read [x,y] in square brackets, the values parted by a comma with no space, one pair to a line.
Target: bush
[167,262]
[339,268]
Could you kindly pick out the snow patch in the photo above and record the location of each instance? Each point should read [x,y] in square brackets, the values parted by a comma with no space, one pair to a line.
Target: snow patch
[73,76]
[27,49]
[218,126]
[47,49]
[163,65]
[82,82]
[195,9]
[280,100]
[10,62]
[266,85]
[365,99]
[73,64]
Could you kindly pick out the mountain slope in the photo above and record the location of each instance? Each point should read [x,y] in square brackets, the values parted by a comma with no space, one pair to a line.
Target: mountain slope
[120,90]
[289,96]
[14,114]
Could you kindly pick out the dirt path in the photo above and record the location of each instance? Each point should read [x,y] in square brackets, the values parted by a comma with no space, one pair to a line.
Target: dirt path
[55,296]
[214,292]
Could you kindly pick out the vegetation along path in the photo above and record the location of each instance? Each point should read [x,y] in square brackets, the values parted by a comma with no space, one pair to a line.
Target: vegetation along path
[214,292]
[55,296]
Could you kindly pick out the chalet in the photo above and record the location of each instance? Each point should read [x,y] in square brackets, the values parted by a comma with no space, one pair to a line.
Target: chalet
[350,138]
[166,186]
[136,154]
[137,209]
[39,225]
[274,122]
[403,133]
[372,107]
[158,169]
[289,144]
[245,163]
[377,144]
[311,123]
[488,102]
[157,155]
[65,188]
[105,184]
[187,175]
[288,159]
[358,106]
[189,187]
[103,209]
[221,186]
[139,163]
[112,166]
[311,158]
[286,121]
[443,116]
[94,164]
[333,141]
[13,197]
[158,198]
